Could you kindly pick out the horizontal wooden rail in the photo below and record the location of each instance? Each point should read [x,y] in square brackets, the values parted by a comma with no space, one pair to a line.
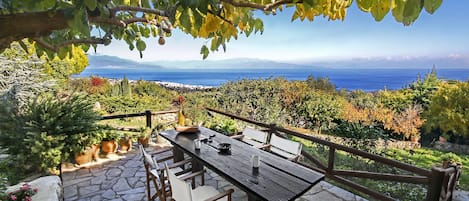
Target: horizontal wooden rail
[120,116]
[165,112]
[383,176]
[364,154]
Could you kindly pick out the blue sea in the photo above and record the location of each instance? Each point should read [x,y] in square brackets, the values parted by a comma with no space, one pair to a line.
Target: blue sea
[367,79]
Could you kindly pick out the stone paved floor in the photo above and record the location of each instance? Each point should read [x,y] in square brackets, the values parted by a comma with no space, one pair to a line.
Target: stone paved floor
[122,178]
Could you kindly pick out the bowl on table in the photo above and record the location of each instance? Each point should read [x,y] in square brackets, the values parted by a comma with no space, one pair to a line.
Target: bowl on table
[187,129]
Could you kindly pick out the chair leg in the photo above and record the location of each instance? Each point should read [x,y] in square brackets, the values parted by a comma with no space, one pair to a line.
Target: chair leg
[202,178]
[157,193]
[148,188]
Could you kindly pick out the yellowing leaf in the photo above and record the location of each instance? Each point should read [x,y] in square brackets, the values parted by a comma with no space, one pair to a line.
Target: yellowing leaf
[365,5]
[380,9]
[212,23]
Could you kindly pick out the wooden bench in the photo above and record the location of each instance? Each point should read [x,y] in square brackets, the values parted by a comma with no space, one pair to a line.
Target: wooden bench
[253,137]
[285,147]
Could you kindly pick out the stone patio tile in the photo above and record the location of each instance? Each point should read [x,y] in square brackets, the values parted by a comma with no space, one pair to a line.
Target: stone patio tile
[86,191]
[133,197]
[70,191]
[121,185]
[75,181]
[113,172]
[109,183]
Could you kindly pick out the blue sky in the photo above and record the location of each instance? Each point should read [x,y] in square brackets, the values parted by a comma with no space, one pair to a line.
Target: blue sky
[445,34]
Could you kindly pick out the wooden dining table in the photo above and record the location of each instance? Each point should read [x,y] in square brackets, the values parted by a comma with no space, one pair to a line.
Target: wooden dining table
[276,178]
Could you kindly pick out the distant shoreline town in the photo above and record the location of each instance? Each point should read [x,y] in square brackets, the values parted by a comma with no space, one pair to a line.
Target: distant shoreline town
[171,85]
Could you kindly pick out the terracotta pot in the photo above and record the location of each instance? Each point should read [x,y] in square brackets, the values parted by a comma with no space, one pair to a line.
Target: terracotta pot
[84,157]
[125,144]
[144,141]
[442,139]
[96,148]
[109,146]
[414,139]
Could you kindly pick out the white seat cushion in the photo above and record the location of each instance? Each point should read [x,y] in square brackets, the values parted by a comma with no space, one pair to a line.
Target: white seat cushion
[252,142]
[203,192]
[254,134]
[282,153]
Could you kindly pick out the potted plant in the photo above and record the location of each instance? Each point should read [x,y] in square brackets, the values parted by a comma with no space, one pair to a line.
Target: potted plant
[125,143]
[449,159]
[109,143]
[144,137]
[86,146]
[415,138]
[443,137]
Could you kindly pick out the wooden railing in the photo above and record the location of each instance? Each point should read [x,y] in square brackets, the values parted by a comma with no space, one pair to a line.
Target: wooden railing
[441,182]
[148,114]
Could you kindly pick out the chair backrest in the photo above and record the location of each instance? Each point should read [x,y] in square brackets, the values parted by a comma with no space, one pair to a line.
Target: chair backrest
[286,144]
[180,190]
[256,135]
[148,160]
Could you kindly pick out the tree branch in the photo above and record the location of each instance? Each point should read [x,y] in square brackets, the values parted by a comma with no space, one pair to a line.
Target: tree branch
[56,47]
[113,10]
[267,7]
[221,17]
[124,23]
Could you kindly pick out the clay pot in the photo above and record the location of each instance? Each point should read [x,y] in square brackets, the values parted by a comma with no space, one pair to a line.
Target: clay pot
[442,139]
[144,141]
[125,144]
[109,146]
[96,148]
[414,139]
[84,157]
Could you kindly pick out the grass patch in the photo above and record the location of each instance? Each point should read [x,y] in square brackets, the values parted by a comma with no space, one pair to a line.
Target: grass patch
[427,158]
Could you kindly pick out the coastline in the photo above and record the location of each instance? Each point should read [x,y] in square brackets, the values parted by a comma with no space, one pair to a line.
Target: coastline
[170,85]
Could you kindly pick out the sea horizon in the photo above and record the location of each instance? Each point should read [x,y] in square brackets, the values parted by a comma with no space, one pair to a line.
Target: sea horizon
[366,79]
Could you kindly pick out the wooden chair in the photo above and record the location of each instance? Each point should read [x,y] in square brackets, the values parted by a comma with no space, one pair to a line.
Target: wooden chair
[183,191]
[155,173]
[285,147]
[253,137]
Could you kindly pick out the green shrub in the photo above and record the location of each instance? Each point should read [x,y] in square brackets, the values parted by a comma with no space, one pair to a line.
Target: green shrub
[48,131]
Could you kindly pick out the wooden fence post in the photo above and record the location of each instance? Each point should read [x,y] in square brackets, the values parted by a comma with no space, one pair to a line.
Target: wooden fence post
[436,183]
[148,116]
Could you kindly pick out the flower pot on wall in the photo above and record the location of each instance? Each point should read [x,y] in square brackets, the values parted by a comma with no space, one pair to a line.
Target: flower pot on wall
[125,144]
[109,146]
[414,139]
[84,157]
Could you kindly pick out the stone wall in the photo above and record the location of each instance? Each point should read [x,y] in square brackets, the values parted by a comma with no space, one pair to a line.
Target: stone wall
[49,188]
[455,148]
[380,143]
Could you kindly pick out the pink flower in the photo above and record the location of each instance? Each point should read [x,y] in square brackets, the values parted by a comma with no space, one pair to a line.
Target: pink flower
[27,198]
[13,197]
[35,190]
[25,187]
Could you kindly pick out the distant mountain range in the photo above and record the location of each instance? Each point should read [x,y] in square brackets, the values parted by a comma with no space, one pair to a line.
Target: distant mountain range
[112,62]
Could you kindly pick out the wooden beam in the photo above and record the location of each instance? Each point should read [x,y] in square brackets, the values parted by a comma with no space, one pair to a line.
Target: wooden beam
[383,176]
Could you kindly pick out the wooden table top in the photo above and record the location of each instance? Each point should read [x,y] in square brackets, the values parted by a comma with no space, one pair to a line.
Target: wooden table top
[276,178]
